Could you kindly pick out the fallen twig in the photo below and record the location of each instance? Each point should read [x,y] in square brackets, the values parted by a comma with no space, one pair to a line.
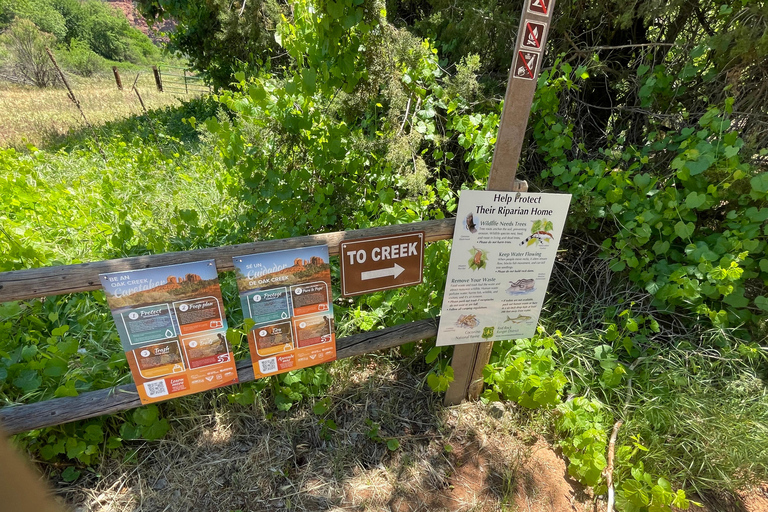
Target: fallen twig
[608,472]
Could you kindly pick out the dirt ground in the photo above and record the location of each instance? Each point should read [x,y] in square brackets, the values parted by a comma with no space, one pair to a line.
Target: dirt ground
[472,457]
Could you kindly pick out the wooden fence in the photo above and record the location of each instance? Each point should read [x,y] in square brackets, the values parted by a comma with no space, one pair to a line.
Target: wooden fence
[468,359]
[33,283]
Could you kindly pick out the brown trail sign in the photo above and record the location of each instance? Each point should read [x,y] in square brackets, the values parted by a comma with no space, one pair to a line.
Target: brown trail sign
[382,263]
[470,359]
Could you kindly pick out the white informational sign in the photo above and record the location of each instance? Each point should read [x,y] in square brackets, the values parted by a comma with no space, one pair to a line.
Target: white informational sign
[504,246]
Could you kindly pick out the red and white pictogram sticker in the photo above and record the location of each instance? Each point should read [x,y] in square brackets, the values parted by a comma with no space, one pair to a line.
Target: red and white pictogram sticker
[533,35]
[539,6]
[525,65]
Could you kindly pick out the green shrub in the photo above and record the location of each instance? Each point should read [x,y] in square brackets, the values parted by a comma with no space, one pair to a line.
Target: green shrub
[80,59]
[39,12]
[109,34]
[684,214]
[26,44]
[94,24]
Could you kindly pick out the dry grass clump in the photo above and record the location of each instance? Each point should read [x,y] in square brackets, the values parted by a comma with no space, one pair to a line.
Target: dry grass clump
[220,458]
[29,115]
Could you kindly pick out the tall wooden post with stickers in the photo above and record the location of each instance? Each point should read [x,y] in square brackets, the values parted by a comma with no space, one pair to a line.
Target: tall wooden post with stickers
[470,359]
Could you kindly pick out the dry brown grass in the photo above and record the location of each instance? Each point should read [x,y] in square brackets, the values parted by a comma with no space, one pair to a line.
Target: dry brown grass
[467,458]
[29,115]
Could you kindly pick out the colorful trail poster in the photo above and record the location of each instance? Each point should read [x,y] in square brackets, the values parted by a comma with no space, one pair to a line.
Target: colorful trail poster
[173,329]
[504,247]
[288,296]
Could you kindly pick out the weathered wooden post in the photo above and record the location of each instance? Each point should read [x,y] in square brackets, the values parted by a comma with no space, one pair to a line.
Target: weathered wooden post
[137,93]
[158,81]
[117,78]
[74,99]
[470,359]
[186,90]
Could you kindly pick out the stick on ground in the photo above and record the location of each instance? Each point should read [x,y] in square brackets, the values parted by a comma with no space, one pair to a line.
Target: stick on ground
[609,468]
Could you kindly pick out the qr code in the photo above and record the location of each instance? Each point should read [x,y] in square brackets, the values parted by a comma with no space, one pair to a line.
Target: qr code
[155,388]
[268,365]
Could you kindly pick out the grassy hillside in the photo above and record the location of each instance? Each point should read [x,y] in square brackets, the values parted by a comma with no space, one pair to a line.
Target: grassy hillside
[42,117]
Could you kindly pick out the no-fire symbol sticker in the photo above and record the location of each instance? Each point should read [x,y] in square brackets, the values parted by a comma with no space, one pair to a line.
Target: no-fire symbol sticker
[525,65]
[533,35]
[539,6]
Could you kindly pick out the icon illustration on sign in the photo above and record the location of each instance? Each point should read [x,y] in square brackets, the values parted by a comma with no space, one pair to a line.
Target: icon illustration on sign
[539,6]
[394,271]
[470,223]
[525,66]
[518,319]
[534,35]
[479,258]
[541,231]
[467,321]
[521,286]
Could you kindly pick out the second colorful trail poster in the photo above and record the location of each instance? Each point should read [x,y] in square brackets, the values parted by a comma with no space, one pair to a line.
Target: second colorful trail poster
[287,295]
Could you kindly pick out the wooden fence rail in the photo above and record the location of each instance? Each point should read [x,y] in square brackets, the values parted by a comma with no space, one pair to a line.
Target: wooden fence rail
[21,418]
[32,283]
[40,282]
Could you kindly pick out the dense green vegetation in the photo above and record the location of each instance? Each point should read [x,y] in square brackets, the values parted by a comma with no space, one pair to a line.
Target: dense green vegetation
[85,34]
[658,312]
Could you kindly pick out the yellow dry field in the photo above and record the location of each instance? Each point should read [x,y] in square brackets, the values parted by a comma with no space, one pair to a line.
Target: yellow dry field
[29,115]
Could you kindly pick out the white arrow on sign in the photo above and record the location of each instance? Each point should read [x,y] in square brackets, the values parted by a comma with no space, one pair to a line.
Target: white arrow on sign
[383,272]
